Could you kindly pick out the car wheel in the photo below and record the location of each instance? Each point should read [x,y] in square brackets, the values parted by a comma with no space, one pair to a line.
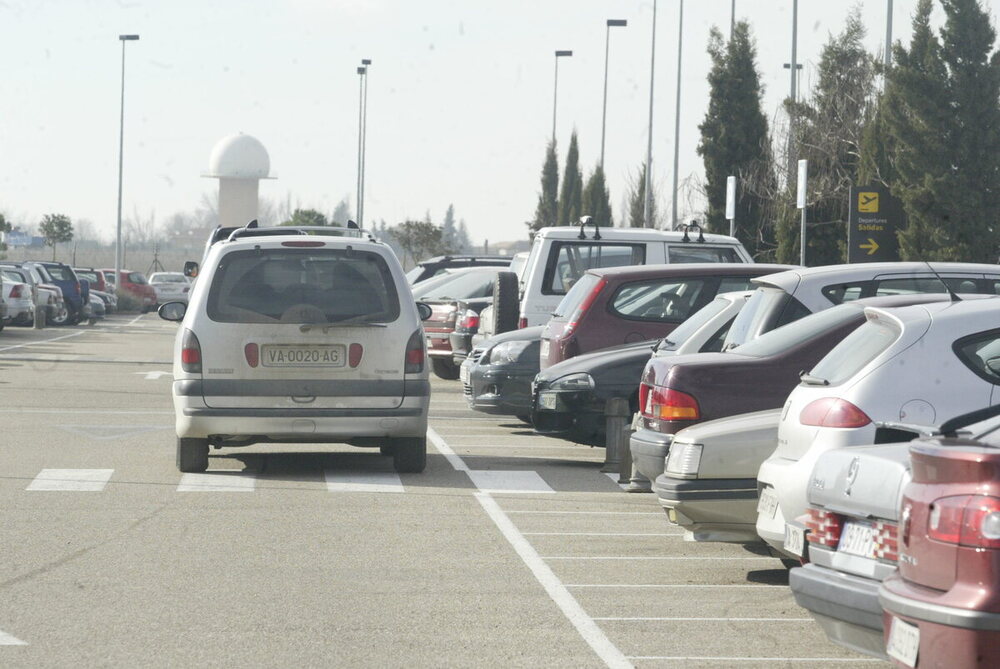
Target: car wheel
[192,455]
[61,316]
[524,418]
[506,306]
[445,369]
[409,455]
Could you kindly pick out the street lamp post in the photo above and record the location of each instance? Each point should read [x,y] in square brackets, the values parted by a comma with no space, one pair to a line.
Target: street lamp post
[361,111]
[612,23]
[677,118]
[647,205]
[555,90]
[121,152]
[366,63]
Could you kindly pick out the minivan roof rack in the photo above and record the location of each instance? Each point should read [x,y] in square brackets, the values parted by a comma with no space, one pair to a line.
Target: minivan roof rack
[693,224]
[252,230]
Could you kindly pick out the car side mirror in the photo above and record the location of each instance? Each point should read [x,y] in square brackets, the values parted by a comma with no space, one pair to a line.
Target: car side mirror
[424,310]
[172,311]
[191,269]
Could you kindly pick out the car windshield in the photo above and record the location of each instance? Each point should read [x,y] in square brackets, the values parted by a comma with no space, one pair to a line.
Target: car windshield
[697,320]
[796,334]
[461,286]
[60,272]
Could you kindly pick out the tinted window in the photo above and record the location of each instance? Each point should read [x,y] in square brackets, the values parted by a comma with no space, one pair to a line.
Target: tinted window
[857,350]
[137,278]
[89,276]
[576,295]
[762,305]
[167,278]
[729,284]
[60,272]
[846,292]
[302,286]
[11,276]
[569,260]
[697,320]
[688,254]
[912,285]
[812,326]
[462,286]
[659,300]
[981,354]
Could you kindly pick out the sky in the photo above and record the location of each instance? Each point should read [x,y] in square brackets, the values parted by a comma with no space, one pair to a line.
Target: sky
[460,98]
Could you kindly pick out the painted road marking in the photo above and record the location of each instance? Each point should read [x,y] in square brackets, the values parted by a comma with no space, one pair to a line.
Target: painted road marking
[218,482]
[501,481]
[77,480]
[457,463]
[42,341]
[109,432]
[599,534]
[589,513]
[8,640]
[154,375]
[751,659]
[648,557]
[720,620]
[338,481]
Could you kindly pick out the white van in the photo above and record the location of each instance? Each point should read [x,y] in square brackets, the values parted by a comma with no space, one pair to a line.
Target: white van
[560,256]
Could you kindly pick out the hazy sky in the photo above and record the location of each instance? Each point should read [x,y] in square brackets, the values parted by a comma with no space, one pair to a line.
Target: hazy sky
[459,102]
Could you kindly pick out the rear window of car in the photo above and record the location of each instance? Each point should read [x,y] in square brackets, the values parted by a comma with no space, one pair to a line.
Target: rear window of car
[167,278]
[461,286]
[981,353]
[697,320]
[89,276]
[785,337]
[766,309]
[689,254]
[856,350]
[137,278]
[568,261]
[576,295]
[60,272]
[303,286]
[657,300]
[847,292]
[12,276]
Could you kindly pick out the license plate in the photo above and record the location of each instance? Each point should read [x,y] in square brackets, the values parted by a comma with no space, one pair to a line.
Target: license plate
[463,374]
[302,355]
[904,642]
[857,539]
[548,401]
[545,349]
[795,539]
[767,506]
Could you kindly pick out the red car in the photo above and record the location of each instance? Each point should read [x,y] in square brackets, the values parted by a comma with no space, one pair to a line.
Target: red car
[622,305]
[942,608]
[135,284]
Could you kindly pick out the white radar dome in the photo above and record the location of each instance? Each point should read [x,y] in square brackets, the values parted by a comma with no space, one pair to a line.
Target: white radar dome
[239,156]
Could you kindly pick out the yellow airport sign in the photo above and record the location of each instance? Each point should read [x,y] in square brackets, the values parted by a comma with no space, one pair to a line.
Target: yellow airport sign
[868,202]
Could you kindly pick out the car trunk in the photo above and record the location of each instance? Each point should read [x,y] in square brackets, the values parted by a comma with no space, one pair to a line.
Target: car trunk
[440,325]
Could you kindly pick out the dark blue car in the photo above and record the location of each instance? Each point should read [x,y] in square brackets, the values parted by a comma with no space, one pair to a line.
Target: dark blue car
[76,292]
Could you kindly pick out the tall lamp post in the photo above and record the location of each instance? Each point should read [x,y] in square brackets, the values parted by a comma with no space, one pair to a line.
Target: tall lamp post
[647,205]
[361,139]
[555,90]
[612,23]
[677,118]
[121,151]
[366,63]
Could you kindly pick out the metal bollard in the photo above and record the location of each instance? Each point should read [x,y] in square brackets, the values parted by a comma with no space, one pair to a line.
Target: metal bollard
[39,322]
[616,424]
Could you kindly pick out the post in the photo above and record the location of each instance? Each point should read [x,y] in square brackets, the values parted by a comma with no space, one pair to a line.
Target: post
[39,321]
[647,207]
[119,252]
[677,118]
[731,204]
[604,108]
[616,423]
[801,203]
[888,34]
[361,84]
[364,143]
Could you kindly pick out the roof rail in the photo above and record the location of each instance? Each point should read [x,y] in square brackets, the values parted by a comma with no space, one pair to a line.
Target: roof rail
[693,224]
[318,230]
[585,221]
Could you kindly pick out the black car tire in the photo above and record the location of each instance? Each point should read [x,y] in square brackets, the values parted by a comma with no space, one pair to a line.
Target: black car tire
[192,455]
[61,316]
[445,369]
[524,418]
[506,305]
[409,455]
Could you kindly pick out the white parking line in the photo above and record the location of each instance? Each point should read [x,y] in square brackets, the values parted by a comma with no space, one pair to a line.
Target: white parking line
[589,513]
[720,620]
[42,341]
[671,585]
[457,463]
[8,640]
[681,658]
[76,480]
[500,481]
[133,321]
[648,557]
[599,534]
[338,481]
[218,482]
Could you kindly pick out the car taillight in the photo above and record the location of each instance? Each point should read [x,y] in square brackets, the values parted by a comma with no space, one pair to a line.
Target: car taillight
[667,404]
[968,520]
[190,353]
[823,527]
[78,291]
[574,319]
[414,358]
[886,541]
[522,323]
[17,291]
[833,412]
[354,354]
[252,354]
[469,320]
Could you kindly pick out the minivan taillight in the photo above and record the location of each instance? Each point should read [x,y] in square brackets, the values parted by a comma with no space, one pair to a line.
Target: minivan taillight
[833,412]
[414,359]
[469,320]
[667,404]
[252,353]
[190,353]
[968,520]
[522,323]
[581,311]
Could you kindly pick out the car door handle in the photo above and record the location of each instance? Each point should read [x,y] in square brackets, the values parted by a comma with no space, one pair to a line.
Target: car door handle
[303,399]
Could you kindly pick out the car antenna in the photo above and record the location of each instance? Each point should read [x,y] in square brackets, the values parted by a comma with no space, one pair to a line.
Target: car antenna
[954,296]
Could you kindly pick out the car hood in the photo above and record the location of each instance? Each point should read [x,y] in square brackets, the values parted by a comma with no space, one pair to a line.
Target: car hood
[601,361]
[524,334]
[861,482]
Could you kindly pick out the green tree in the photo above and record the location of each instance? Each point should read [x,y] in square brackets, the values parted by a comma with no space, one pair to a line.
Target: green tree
[571,193]
[596,200]
[449,233]
[341,214]
[419,240]
[547,209]
[942,112]
[5,227]
[734,137]
[464,243]
[306,217]
[637,201]
[56,229]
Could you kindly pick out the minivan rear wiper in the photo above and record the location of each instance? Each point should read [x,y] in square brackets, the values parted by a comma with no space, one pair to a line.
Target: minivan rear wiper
[805,377]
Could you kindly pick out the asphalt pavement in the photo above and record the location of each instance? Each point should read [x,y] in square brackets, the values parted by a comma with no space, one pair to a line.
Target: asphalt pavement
[511,550]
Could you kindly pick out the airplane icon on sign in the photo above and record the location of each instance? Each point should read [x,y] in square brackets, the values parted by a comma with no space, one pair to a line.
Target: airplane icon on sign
[868,202]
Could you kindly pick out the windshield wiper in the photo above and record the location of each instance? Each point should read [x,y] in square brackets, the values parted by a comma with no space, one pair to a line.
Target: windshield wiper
[805,377]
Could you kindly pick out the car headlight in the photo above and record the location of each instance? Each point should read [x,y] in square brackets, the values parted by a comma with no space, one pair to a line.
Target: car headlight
[570,382]
[684,459]
[508,352]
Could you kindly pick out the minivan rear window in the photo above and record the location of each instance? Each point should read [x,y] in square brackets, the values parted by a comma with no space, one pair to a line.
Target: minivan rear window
[569,260]
[60,272]
[691,253]
[303,286]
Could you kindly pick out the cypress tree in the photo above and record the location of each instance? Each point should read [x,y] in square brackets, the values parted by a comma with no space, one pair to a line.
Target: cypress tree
[637,202]
[547,210]
[596,200]
[571,194]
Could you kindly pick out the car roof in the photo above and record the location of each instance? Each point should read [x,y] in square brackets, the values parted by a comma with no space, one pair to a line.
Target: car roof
[943,310]
[634,234]
[802,276]
[686,269]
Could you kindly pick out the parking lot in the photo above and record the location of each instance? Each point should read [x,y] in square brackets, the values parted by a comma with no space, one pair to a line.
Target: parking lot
[510,550]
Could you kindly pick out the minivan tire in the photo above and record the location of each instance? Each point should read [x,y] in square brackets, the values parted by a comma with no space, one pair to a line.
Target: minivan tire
[192,455]
[409,455]
[445,369]
[506,305]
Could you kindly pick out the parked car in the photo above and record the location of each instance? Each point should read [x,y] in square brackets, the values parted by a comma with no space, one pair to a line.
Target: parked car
[16,294]
[298,335]
[3,306]
[97,278]
[911,365]
[137,286]
[472,328]
[620,305]
[680,391]
[434,266]
[76,293]
[559,256]
[569,398]
[941,607]
[496,377]
[50,294]
[170,287]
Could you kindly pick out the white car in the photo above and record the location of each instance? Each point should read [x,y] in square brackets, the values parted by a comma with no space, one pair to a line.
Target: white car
[309,337]
[17,295]
[170,287]
[918,365]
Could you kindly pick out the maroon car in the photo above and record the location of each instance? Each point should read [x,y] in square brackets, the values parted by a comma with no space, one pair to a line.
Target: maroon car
[942,607]
[622,305]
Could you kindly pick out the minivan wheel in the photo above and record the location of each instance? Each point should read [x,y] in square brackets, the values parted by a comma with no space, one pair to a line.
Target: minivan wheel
[192,455]
[409,455]
[445,369]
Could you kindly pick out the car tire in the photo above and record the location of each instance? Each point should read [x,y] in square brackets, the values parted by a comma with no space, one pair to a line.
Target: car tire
[506,305]
[445,369]
[409,455]
[192,455]
[61,316]
[524,418]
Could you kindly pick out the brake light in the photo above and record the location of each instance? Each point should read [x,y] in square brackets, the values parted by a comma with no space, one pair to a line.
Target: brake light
[190,353]
[470,320]
[823,527]
[17,291]
[833,412]
[354,354]
[886,541]
[967,520]
[414,357]
[252,353]
[306,245]
[522,323]
[581,311]
[667,404]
